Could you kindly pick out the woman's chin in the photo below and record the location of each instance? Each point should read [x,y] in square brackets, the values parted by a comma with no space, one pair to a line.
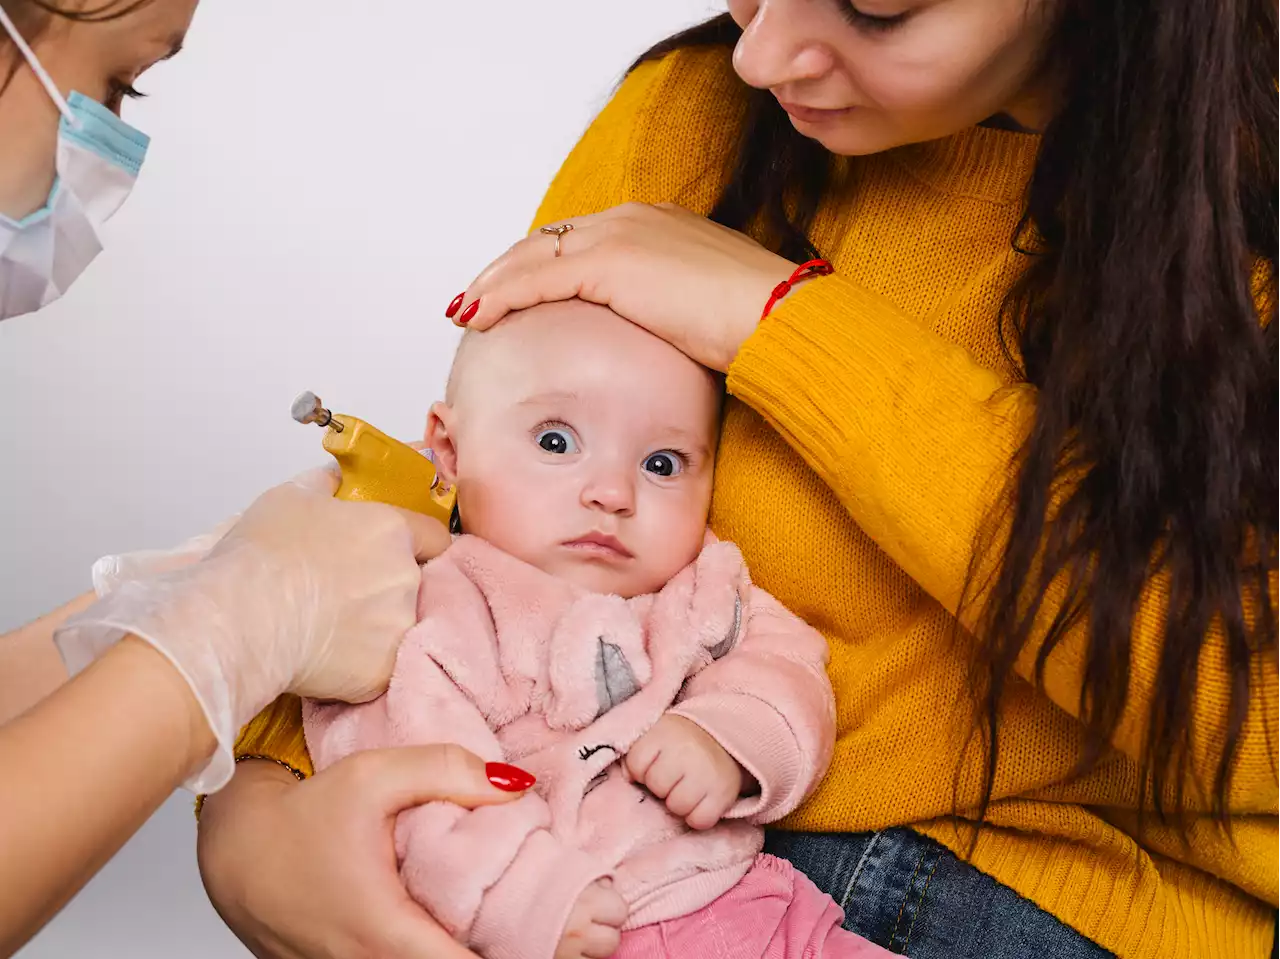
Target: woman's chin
[856,132]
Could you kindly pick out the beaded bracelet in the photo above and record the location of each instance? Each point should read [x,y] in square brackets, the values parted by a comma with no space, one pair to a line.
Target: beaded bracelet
[297,773]
[804,271]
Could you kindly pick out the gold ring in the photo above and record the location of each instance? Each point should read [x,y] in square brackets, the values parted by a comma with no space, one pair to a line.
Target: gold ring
[557,232]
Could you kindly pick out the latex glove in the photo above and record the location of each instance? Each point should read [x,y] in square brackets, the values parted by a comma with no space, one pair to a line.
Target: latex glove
[304,594]
[308,870]
[110,571]
[681,764]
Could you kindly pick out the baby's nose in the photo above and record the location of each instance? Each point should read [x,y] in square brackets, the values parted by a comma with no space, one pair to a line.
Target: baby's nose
[612,491]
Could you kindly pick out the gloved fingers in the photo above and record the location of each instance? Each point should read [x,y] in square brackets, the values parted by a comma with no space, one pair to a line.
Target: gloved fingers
[320,479]
[430,537]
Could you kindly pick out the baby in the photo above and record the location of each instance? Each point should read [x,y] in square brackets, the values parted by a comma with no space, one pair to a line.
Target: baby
[588,628]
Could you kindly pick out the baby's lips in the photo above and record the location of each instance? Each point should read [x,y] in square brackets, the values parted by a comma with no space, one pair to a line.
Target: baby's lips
[508,778]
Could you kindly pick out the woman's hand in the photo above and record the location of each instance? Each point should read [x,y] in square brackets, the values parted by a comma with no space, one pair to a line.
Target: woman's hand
[699,286]
[308,870]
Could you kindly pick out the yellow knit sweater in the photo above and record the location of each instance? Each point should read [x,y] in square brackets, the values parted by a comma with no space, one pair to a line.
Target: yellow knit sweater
[872,418]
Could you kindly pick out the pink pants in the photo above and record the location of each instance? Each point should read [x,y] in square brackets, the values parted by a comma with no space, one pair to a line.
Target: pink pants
[774,912]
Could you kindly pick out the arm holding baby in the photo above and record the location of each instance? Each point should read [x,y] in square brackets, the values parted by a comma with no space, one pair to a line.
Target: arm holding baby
[496,878]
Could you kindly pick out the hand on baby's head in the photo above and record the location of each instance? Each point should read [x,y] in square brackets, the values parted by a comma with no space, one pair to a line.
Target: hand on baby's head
[581,444]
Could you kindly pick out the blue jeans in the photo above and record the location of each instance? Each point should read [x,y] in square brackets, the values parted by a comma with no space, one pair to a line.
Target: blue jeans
[909,894]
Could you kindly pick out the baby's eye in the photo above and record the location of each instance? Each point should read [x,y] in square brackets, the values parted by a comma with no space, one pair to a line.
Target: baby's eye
[664,463]
[557,441]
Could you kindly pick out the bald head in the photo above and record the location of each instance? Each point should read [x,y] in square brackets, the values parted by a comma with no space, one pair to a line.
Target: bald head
[557,336]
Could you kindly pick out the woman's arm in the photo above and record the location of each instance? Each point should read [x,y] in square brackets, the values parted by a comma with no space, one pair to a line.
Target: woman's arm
[131,725]
[918,439]
[30,667]
[123,734]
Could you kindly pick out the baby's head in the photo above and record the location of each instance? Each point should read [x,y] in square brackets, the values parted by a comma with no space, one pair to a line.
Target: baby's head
[581,444]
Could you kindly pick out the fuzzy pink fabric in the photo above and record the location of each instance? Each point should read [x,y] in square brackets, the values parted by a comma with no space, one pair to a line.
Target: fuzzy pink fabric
[775,912]
[518,666]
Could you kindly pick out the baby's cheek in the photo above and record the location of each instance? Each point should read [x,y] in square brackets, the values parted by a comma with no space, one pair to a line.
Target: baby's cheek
[687,534]
[507,514]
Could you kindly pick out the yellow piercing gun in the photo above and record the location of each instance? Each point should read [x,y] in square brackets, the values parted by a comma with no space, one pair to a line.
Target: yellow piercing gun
[374,466]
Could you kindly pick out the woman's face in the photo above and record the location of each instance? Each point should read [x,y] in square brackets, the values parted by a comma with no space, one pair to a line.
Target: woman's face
[101,60]
[861,76]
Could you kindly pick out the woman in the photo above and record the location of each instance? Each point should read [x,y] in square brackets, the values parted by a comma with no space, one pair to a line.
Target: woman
[1016,457]
[173,665]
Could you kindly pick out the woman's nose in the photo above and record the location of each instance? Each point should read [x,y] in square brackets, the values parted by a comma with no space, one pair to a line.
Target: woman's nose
[782,42]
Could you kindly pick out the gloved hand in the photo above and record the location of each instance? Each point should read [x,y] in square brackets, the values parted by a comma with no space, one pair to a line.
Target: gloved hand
[110,571]
[304,594]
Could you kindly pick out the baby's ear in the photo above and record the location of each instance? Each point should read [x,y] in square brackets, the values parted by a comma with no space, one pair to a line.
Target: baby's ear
[441,421]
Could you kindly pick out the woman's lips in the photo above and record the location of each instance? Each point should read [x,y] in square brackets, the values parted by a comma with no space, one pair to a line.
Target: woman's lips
[600,545]
[815,114]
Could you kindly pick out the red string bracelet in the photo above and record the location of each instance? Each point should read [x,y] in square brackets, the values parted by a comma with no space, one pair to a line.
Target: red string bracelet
[803,272]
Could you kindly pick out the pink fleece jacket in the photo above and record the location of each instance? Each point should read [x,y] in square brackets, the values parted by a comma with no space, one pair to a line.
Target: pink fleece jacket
[519,666]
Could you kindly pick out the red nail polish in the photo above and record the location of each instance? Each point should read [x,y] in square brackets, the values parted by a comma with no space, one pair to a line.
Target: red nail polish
[510,779]
[454,306]
[469,313]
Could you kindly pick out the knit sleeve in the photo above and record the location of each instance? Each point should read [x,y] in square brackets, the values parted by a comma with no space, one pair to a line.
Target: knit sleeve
[917,439]
[276,733]
[769,704]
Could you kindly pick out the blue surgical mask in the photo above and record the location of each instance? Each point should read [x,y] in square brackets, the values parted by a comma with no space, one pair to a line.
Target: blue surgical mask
[98,158]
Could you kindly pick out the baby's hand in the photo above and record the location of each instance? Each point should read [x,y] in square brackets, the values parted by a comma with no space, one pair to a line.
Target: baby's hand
[680,763]
[594,929]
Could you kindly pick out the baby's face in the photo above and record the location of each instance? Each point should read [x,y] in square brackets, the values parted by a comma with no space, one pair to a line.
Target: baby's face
[582,445]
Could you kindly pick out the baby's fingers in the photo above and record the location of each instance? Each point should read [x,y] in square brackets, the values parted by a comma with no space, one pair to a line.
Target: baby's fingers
[600,936]
[686,796]
[662,776]
[607,907]
[640,758]
[709,811]
[601,942]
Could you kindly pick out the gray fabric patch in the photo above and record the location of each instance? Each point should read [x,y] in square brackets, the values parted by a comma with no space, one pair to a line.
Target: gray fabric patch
[615,681]
[725,646]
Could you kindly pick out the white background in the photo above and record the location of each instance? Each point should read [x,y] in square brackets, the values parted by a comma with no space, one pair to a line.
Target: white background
[324,177]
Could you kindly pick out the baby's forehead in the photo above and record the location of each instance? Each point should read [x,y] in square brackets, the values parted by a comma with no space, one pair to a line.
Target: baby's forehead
[584,351]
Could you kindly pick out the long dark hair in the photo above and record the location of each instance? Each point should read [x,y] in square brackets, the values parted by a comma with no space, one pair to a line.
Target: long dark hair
[1145,318]
[32,18]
